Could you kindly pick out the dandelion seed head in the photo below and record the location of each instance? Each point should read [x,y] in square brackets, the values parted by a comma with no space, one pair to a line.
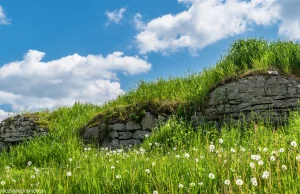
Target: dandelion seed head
[239,182]
[227,182]
[211,175]
[294,144]
[69,174]
[180,186]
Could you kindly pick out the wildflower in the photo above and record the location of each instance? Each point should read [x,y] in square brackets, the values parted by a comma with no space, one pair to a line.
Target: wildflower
[265,175]
[186,155]
[192,184]
[85,149]
[265,149]
[196,159]
[252,165]
[2,182]
[147,171]
[281,150]
[200,183]
[155,192]
[195,149]
[14,181]
[255,157]
[89,149]
[294,144]
[157,144]
[177,156]
[211,175]
[284,167]
[254,183]
[153,164]
[32,176]
[243,149]
[232,150]
[118,176]
[70,159]
[212,148]
[221,141]
[112,167]
[29,163]
[298,158]
[146,135]
[239,182]
[260,162]
[227,182]
[69,174]
[174,148]
[253,179]
[180,186]
[272,158]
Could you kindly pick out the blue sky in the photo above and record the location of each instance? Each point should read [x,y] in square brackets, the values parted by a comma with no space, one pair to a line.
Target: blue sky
[54,53]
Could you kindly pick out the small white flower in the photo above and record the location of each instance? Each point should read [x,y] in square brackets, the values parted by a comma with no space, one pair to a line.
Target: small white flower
[192,184]
[69,174]
[89,149]
[232,150]
[298,158]
[70,159]
[284,167]
[200,183]
[155,192]
[272,158]
[174,148]
[243,149]
[180,186]
[260,162]
[227,182]
[211,175]
[255,157]
[239,182]
[29,163]
[281,150]
[196,160]
[221,141]
[2,182]
[212,148]
[147,171]
[265,175]
[118,176]
[186,155]
[265,149]
[294,144]
[14,181]
[146,135]
[32,176]
[254,183]
[85,149]
[252,165]
[253,179]
[153,163]
[112,167]
[177,156]
[157,144]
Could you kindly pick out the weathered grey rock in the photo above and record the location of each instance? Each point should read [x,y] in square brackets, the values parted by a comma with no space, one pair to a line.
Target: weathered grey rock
[130,142]
[148,122]
[117,127]
[253,94]
[125,135]
[141,134]
[91,134]
[113,134]
[132,126]
[115,143]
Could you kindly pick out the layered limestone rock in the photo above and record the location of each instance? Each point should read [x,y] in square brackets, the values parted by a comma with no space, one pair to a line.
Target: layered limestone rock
[18,129]
[266,97]
[118,135]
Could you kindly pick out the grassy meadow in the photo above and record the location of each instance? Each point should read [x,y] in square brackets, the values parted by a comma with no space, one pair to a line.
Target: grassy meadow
[175,158]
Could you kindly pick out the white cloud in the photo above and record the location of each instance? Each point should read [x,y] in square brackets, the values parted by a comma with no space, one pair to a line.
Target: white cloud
[4,115]
[32,84]
[205,22]
[116,15]
[137,21]
[3,18]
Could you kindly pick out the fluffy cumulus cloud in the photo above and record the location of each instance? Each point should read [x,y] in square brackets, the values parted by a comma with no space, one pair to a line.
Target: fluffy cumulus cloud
[3,18]
[32,84]
[207,21]
[116,15]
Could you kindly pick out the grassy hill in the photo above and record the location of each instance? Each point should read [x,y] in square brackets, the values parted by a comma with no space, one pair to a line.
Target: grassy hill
[175,159]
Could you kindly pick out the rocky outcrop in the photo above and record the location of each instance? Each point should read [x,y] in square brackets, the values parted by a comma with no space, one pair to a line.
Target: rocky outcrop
[18,129]
[266,97]
[121,134]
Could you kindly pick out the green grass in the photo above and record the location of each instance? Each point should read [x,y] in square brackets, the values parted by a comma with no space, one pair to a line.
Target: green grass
[91,169]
